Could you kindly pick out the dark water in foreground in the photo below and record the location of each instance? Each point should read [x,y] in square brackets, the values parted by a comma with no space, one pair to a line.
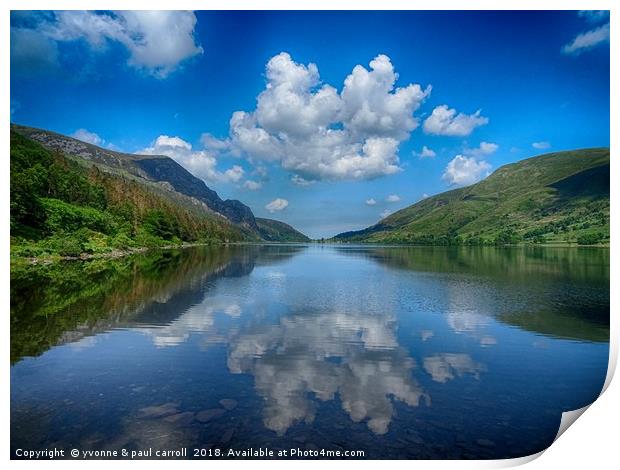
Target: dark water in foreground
[399,352]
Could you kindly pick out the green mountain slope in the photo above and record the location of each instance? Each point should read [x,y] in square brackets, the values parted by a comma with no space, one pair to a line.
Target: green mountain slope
[559,197]
[152,168]
[66,206]
[276,231]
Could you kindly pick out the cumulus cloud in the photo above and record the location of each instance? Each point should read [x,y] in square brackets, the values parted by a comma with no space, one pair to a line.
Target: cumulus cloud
[201,163]
[385,213]
[88,137]
[426,153]
[277,205]
[318,133]
[485,148]
[233,174]
[463,170]
[541,145]
[587,40]
[446,121]
[252,185]
[213,143]
[393,198]
[299,181]
[157,41]
[371,202]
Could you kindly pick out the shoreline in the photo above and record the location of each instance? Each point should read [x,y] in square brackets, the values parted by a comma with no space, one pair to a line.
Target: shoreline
[116,253]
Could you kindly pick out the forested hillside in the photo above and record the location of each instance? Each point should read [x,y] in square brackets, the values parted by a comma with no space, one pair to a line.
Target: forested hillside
[59,206]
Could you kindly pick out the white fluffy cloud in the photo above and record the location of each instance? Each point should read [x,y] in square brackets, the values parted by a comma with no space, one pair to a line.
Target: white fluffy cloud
[213,143]
[393,198]
[157,41]
[485,148]
[317,133]
[88,137]
[371,202]
[426,153]
[277,205]
[541,145]
[201,163]
[385,213]
[463,170]
[446,121]
[252,185]
[587,40]
[300,181]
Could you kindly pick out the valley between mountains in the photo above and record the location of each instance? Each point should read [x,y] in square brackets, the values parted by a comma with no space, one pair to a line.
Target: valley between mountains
[70,199]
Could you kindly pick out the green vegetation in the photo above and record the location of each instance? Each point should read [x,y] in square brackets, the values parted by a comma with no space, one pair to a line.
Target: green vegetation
[558,198]
[54,302]
[62,207]
[276,231]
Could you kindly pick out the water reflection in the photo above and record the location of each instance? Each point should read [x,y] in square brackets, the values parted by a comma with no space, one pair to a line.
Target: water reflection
[562,292]
[309,341]
[196,319]
[352,355]
[444,367]
[64,302]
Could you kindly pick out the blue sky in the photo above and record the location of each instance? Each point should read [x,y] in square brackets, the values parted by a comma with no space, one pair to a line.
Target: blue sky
[334,146]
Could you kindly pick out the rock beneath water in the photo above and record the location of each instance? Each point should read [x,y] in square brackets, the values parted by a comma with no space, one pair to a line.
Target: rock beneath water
[485,443]
[181,419]
[208,415]
[228,403]
[158,411]
[227,436]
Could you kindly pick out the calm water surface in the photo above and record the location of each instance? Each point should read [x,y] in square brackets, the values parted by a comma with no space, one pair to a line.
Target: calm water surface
[399,352]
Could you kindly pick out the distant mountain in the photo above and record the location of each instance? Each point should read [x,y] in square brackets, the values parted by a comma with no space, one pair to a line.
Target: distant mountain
[558,197]
[274,230]
[156,168]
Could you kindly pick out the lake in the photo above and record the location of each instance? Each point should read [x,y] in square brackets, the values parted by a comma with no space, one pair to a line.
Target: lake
[400,352]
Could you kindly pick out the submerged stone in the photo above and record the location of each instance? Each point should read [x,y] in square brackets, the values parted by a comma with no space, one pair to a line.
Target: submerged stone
[158,411]
[180,418]
[208,415]
[228,403]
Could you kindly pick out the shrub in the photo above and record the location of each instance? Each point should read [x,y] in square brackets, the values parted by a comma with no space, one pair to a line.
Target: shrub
[62,216]
[160,225]
[590,238]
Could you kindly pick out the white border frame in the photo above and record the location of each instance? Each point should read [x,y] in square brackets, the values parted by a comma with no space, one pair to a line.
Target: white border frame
[591,442]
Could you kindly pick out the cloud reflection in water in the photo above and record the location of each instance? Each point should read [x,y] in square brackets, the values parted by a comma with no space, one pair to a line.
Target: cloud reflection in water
[354,356]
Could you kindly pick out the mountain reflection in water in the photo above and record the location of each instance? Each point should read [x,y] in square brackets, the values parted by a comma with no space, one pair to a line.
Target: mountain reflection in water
[403,352]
